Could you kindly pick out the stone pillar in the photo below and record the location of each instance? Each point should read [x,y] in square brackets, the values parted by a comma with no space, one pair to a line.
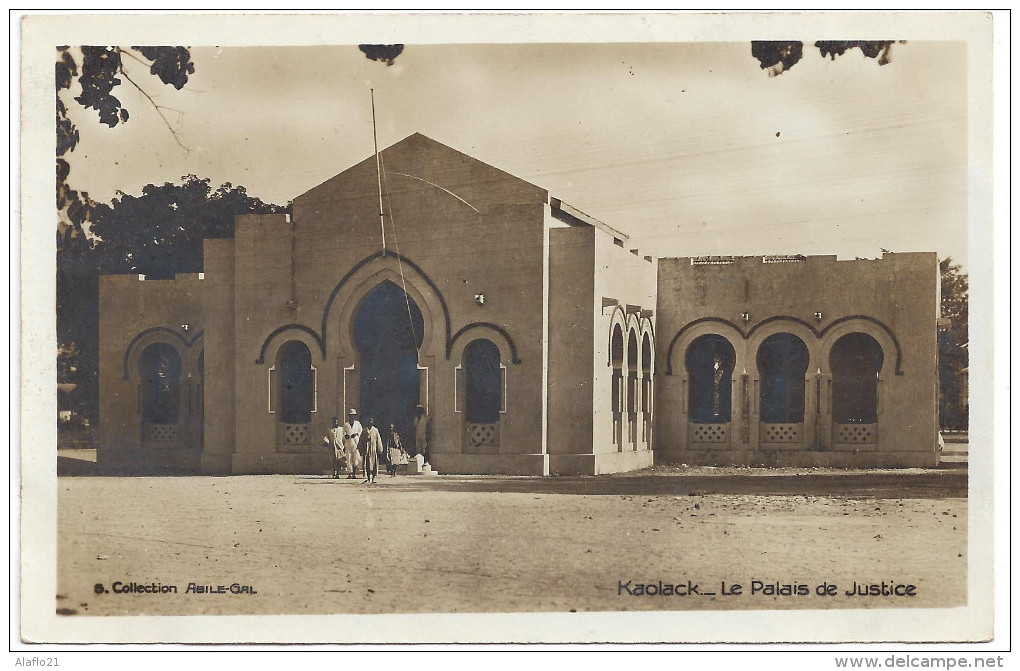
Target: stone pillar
[824,438]
[810,411]
[754,417]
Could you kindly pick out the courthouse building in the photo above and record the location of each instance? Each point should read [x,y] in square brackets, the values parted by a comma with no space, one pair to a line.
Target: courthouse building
[538,339]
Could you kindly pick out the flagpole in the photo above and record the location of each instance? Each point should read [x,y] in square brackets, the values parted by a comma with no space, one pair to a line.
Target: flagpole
[378,170]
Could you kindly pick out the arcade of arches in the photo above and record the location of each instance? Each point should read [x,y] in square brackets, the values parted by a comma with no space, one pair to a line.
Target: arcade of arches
[781,405]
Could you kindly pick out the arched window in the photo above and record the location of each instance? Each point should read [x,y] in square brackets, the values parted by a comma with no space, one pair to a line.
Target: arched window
[632,371]
[616,358]
[855,360]
[483,389]
[782,363]
[160,368]
[710,360]
[297,383]
[646,369]
[388,330]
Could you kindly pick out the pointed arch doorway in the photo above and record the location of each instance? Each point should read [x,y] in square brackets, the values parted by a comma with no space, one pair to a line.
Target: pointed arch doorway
[388,332]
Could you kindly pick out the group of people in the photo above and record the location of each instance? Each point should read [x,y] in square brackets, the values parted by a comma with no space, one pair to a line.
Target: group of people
[357,448]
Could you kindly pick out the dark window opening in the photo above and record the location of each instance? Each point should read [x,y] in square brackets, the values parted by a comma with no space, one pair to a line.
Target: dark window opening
[616,358]
[297,385]
[160,368]
[632,371]
[646,367]
[782,363]
[483,383]
[855,360]
[710,360]
[388,330]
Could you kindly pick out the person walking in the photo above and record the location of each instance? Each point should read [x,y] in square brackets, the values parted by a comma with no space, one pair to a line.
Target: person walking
[335,442]
[373,447]
[422,429]
[395,454]
[352,431]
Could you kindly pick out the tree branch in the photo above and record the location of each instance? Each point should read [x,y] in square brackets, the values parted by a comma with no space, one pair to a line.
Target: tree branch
[129,53]
[155,106]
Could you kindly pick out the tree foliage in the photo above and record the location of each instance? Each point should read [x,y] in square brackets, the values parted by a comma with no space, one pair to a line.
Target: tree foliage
[384,53]
[779,56]
[99,70]
[158,233]
[81,256]
[953,345]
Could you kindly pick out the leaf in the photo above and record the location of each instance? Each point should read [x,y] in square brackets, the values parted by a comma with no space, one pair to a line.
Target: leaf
[777,57]
[98,79]
[833,48]
[63,170]
[385,53]
[66,70]
[171,64]
[879,49]
[67,133]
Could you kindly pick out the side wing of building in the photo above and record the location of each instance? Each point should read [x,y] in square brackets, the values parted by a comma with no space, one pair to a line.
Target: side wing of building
[798,361]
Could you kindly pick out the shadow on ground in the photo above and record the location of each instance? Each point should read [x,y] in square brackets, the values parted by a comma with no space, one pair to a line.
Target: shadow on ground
[885,485]
[82,463]
[948,481]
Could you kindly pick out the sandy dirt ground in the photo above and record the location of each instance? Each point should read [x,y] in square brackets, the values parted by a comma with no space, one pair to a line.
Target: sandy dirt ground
[309,544]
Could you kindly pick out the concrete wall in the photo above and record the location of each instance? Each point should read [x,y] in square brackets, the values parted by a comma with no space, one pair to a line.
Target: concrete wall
[135,314]
[572,303]
[894,299]
[625,288]
[263,289]
[220,359]
[460,228]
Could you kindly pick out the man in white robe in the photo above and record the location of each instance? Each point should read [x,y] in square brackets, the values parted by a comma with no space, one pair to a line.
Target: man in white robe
[335,442]
[352,437]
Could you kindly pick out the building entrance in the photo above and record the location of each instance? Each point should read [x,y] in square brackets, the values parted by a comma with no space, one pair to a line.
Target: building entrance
[388,330]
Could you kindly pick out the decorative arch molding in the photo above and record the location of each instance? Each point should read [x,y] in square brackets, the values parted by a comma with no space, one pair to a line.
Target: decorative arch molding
[284,329]
[431,341]
[617,318]
[401,259]
[632,338]
[633,324]
[774,326]
[647,327]
[870,326]
[500,332]
[647,331]
[841,326]
[320,338]
[786,319]
[158,334]
[700,327]
[731,335]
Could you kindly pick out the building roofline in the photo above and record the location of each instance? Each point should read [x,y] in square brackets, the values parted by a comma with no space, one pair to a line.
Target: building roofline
[559,207]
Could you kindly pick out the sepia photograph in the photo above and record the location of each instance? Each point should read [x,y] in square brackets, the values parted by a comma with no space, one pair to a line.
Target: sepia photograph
[503,327]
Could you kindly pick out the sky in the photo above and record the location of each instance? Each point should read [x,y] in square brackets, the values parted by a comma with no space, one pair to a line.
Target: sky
[688,147]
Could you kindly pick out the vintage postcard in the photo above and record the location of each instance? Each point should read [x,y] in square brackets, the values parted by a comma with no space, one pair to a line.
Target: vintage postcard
[540,328]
